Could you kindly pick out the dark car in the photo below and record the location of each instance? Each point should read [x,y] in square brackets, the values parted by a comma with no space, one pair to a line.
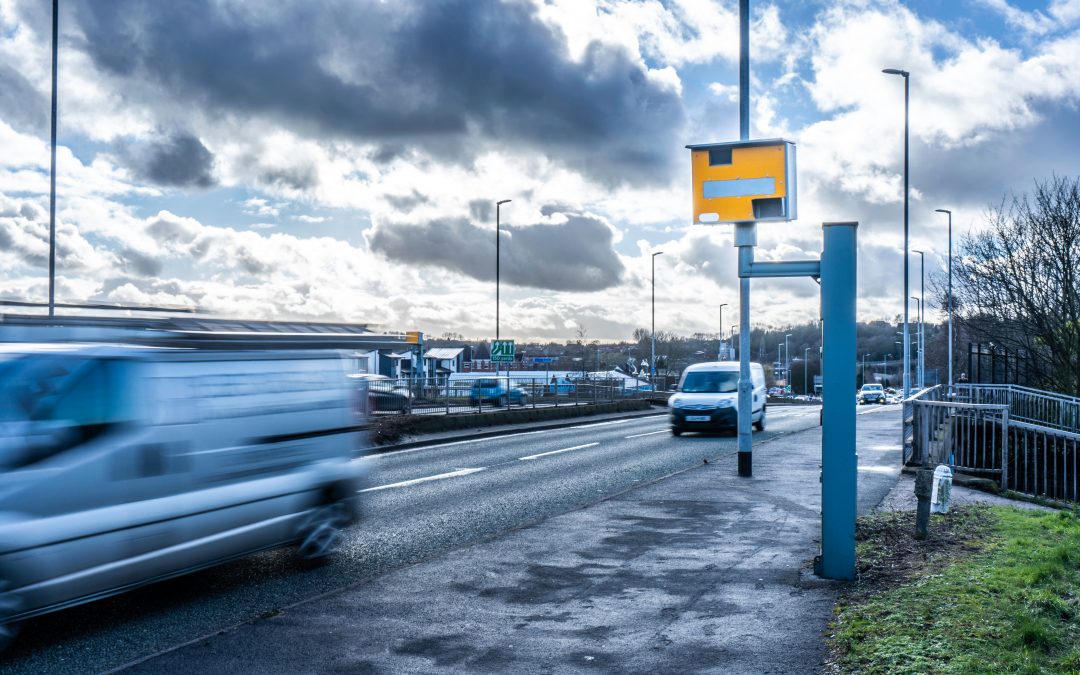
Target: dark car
[496,392]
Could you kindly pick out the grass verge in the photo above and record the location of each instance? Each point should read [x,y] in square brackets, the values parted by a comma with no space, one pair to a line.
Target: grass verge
[993,590]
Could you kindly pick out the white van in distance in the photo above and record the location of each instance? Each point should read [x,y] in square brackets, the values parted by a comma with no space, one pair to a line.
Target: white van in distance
[124,465]
[708,398]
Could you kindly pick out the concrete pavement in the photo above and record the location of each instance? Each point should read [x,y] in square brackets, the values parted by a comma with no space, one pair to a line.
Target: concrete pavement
[698,572]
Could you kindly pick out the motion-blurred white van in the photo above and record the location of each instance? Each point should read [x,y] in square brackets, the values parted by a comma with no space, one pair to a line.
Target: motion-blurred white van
[122,465]
[708,398]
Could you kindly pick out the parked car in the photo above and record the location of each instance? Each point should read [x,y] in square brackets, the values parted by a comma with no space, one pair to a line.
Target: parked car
[121,466]
[384,394]
[496,392]
[708,398]
[560,387]
[871,393]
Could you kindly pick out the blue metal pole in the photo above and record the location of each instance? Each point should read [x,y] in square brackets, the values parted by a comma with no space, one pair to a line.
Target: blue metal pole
[838,458]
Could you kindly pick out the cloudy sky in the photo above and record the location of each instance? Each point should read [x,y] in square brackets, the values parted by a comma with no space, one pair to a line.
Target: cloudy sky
[340,160]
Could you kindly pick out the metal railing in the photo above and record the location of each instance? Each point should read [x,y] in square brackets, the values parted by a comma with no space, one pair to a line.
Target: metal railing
[488,393]
[1032,406]
[1011,434]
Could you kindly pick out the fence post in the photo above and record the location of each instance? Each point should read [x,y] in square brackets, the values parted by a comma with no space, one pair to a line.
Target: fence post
[1005,448]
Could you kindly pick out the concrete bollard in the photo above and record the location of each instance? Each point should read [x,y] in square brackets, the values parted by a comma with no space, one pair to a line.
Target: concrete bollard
[924,485]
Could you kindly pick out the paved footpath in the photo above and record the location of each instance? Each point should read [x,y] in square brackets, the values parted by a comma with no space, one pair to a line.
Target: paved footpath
[698,572]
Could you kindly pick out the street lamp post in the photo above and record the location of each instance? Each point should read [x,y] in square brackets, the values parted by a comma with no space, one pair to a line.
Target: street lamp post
[922,318]
[907,349]
[901,346]
[787,363]
[918,346]
[720,346]
[52,165]
[498,206]
[864,367]
[652,359]
[805,367]
[950,294]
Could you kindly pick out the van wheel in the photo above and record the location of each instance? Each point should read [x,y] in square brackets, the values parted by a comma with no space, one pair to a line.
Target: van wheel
[760,424]
[321,531]
[10,604]
[504,402]
[676,431]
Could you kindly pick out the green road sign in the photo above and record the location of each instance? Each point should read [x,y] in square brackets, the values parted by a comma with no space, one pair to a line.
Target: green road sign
[502,350]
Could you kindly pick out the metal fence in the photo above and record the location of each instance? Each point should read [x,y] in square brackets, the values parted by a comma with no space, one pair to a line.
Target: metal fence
[1017,437]
[487,393]
[1032,406]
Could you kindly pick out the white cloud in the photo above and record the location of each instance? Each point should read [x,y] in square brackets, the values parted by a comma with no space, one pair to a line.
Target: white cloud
[1032,21]
[257,206]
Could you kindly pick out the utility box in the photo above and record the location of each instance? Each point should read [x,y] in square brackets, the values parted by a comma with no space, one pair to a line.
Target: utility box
[744,181]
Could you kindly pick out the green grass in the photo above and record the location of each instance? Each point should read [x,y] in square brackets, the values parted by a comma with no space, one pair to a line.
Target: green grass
[1001,596]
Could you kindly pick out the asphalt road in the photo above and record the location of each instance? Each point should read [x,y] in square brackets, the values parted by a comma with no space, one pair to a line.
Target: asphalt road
[420,503]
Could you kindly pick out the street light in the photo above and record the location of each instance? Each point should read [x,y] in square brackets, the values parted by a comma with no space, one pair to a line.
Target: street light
[722,306]
[787,362]
[498,205]
[805,367]
[907,350]
[52,165]
[652,359]
[950,294]
[922,318]
[864,367]
[918,343]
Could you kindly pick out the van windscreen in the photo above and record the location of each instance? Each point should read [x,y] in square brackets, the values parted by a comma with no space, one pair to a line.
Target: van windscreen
[711,382]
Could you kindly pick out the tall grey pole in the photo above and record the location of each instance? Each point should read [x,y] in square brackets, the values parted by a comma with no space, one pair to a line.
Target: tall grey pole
[745,240]
[52,169]
[918,343]
[907,343]
[922,319]
[721,345]
[950,296]
[787,363]
[805,367]
[498,206]
[652,350]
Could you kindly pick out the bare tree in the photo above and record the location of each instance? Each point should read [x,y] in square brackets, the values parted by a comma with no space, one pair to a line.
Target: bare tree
[1017,283]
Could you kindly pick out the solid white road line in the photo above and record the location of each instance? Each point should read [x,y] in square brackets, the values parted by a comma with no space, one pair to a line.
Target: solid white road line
[650,433]
[555,452]
[415,481]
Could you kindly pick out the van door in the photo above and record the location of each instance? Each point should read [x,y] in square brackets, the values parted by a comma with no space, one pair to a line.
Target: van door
[76,517]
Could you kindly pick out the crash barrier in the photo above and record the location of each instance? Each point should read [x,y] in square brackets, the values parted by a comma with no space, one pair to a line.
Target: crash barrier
[1016,438]
[490,393]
